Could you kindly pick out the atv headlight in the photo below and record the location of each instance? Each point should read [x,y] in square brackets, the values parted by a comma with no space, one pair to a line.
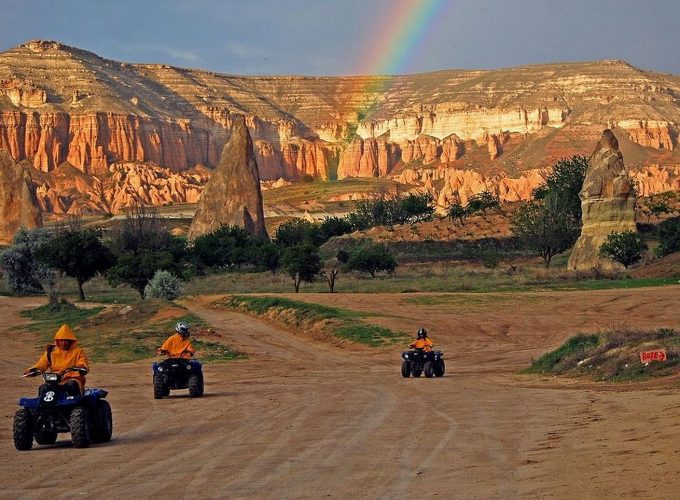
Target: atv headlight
[188,367]
[406,356]
[160,368]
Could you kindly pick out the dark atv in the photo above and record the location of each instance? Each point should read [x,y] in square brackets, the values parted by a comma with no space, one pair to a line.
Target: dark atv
[417,361]
[87,417]
[177,373]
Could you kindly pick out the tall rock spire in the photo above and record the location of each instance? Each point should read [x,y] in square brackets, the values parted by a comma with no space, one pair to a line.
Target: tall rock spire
[607,205]
[232,196]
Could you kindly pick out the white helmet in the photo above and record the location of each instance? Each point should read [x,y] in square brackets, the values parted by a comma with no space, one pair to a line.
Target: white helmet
[182,328]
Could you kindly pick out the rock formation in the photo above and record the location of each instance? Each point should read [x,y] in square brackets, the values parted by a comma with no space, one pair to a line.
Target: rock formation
[56,106]
[18,204]
[232,196]
[607,204]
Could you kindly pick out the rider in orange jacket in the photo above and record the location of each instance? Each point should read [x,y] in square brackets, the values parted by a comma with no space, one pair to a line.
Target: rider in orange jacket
[178,345]
[61,355]
[422,342]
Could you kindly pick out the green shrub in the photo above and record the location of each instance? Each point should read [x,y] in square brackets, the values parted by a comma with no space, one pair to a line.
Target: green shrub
[372,259]
[626,248]
[163,285]
[669,237]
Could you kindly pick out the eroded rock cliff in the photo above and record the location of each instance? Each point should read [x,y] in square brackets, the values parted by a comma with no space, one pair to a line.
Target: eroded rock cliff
[18,205]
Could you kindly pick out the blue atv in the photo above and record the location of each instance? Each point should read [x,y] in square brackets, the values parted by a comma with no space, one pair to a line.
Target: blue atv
[418,361]
[177,373]
[87,417]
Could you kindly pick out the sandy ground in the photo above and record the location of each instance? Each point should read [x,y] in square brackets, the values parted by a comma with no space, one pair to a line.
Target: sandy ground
[301,419]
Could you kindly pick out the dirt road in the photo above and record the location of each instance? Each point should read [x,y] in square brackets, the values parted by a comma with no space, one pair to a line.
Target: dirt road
[300,419]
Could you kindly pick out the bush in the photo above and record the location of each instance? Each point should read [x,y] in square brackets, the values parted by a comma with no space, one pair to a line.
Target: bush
[163,285]
[372,259]
[626,248]
[457,211]
[481,202]
[333,226]
[226,246]
[669,237]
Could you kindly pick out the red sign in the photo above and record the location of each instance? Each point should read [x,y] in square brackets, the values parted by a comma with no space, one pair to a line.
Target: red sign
[655,355]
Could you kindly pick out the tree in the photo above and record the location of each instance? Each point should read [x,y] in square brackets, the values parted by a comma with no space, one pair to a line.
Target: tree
[77,252]
[296,232]
[25,274]
[415,207]
[565,183]
[268,256]
[626,248]
[330,273]
[481,202]
[456,211]
[142,246]
[669,237]
[302,263]
[372,259]
[333,226]
[546,226]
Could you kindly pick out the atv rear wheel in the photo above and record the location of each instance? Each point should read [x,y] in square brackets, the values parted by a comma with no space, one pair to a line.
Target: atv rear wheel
[195,384]
[406,369]
[80,427]
[45,437]
[439,368]
[416,373]
[429,369]
[159,389]
[23,430]
[103,423]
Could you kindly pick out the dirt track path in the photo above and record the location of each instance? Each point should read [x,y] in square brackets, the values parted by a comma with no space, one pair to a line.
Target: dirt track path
[300,419]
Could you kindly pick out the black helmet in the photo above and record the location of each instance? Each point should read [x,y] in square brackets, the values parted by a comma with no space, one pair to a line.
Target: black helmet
[182,328]
[422,333]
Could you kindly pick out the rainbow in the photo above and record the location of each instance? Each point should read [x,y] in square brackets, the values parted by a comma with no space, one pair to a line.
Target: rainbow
[402,35]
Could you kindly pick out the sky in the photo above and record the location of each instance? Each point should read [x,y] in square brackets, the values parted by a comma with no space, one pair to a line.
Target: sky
[353,37]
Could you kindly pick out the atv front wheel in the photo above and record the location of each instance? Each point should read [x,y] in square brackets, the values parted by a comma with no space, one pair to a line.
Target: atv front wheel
[406,369]
[23,430]
[103,423]
[416,373]
[439,368]
[429,369]
[45,437]
[195,384]
[159,390]
[80,427]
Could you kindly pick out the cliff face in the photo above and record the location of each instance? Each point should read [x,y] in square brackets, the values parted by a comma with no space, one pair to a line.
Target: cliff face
[18,205]
[62,104]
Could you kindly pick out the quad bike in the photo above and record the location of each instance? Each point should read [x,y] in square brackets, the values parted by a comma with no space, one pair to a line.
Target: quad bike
[177,373]
[87,417]
[417,361]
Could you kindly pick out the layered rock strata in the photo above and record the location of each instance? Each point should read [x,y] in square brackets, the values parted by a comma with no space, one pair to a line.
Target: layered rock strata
[607,204]
[18,204]
[232,196]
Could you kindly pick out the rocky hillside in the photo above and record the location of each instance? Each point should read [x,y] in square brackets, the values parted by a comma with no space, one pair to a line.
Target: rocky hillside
[456,130]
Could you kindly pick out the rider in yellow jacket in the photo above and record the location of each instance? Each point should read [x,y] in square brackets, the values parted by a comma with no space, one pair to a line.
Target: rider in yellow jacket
[62,355]
[178,345]
[422,342]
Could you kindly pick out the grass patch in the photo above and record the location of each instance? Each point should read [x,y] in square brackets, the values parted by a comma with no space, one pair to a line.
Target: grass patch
[342,323]
[125,334]
[612,356]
